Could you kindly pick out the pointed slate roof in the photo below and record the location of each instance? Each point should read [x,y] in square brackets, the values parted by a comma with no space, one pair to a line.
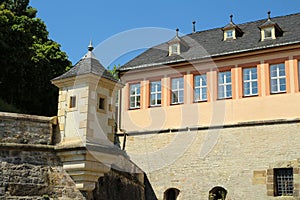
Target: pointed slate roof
[88,65]
[210,43]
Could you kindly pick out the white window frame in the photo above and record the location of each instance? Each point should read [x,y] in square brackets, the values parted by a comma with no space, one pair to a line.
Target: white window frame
[229,33]
[136,95]
[224,85]
[174,49]
[277,78]
[251,81]
[156,93]
[202,87]
[177,89]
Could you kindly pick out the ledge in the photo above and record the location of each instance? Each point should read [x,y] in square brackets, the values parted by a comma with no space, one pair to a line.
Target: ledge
[195,128]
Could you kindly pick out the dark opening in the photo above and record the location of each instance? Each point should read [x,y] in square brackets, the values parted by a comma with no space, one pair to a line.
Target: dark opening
[171,194]
[283,182]
[217,193]
[101,103]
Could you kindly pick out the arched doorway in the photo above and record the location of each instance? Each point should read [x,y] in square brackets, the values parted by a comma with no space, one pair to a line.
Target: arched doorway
[217,193]
[171,194]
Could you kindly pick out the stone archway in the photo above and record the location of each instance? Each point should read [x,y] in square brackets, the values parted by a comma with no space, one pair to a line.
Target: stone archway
[171,194]
[217,193]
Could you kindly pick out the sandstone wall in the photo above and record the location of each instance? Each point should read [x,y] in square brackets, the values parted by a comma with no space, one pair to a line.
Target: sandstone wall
[30,168]
[238,158]
[26,129]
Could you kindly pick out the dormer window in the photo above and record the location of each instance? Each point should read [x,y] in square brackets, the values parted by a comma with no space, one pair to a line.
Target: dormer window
[268,33]
[231,31]
[270,30]
[176,45]
[174,49]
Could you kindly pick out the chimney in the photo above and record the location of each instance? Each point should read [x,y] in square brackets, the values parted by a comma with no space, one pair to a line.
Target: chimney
[194,28]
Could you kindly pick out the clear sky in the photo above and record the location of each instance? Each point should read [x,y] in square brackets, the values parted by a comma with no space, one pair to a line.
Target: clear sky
[73,23]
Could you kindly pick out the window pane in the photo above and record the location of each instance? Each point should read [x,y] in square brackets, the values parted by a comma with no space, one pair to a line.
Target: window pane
[180,96]
[180,83]
[221,92]
[228,91]
[197,81]
[174,97]
[159,96]
[204,94]
[281,70]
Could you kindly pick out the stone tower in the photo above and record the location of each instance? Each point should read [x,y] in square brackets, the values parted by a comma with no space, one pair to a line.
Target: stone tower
[86,116]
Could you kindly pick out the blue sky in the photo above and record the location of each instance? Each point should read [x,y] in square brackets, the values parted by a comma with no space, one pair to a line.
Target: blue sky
[74,23]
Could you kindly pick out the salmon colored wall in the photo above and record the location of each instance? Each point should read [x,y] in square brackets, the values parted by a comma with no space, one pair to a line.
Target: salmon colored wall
[264,106]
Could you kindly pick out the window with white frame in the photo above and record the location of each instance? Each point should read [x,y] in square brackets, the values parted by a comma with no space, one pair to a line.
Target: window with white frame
[229,34]
[177,86]
[283,178]
[155,93]
[135,95]
[174,49]
[224,85]
[277,78]
[200,88]
[268,33]
[250,81]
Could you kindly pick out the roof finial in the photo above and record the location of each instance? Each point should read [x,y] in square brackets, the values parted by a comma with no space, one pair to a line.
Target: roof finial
[194,28]
[269,15]
[177,29]
[90,47]
[231,16]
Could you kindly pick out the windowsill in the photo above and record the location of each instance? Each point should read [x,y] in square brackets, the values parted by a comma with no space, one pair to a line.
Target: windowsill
[284,92]
[103,111]
[249,96]
[174,104]
[155,106]
[224,98]
[72,109]
[200,101]
[134,108]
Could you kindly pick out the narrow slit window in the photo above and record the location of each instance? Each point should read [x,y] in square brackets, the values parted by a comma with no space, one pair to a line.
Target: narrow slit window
[101,105]
[72,103]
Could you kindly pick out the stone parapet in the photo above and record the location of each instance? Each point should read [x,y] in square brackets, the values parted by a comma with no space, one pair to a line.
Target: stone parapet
[27,129]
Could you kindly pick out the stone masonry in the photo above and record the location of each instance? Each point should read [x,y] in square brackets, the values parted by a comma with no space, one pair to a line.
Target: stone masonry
[240,158]
[30,168]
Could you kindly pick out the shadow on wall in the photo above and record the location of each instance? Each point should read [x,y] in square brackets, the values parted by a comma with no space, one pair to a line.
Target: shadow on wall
[116,185]
[149,192]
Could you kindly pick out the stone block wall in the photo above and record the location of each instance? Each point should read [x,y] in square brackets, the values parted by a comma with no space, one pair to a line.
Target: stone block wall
[117,185]
[26,129]
[31,169]
[238,158]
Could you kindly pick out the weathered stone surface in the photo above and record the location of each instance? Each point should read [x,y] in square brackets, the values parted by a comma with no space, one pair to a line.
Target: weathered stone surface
[117,185]
[25,129]
[26,181]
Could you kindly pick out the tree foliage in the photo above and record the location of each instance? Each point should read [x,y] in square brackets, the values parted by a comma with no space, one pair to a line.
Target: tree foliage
[28,60]
[114,71]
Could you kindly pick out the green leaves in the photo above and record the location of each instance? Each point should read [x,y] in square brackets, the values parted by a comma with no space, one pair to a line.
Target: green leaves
[28,60]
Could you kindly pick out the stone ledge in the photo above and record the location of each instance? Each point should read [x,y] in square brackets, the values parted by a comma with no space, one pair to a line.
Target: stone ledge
[17,116]
[29,147]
